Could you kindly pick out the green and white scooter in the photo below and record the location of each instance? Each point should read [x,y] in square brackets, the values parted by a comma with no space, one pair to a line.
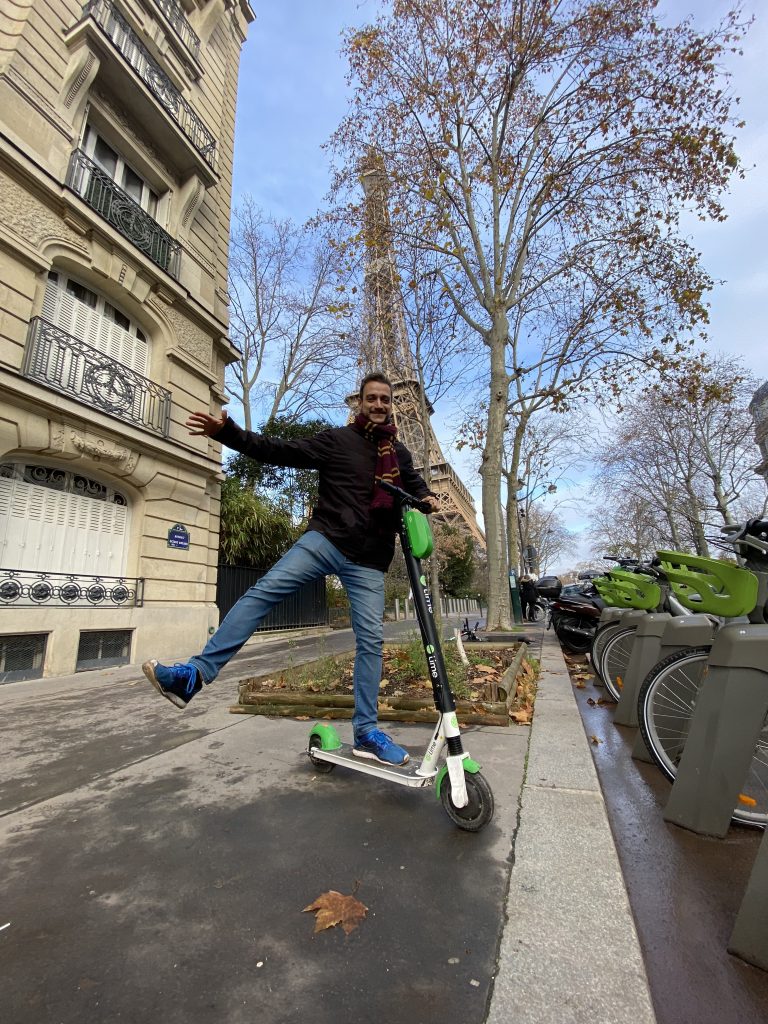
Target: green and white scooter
[465,794]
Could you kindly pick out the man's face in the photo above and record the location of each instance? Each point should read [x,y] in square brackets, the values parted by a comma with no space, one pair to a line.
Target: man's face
[376,402]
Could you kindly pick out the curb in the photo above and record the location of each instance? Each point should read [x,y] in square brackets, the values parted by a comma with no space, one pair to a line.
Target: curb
[569,952]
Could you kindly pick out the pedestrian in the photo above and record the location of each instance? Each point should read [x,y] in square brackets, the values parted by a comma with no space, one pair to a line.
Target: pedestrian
[528,597]
[351,533]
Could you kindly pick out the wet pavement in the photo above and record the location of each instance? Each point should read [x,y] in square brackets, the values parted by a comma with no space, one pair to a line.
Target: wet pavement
[685,890]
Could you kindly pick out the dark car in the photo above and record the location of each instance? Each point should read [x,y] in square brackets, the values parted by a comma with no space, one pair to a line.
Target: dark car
[549,587]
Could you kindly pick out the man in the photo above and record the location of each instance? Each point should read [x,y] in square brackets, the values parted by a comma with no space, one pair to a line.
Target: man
[529,595]
[351,534]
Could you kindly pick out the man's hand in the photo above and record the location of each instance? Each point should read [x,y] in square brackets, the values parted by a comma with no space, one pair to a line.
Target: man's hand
[202,423]
[433,502]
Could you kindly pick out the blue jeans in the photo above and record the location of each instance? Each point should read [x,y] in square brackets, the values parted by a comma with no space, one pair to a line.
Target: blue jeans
[311,557]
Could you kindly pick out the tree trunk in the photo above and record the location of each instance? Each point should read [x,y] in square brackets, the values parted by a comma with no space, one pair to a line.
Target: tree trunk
[499,617]
[694,517]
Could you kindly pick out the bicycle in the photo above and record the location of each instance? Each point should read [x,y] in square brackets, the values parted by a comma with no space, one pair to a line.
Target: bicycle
[612,650]
[667,696]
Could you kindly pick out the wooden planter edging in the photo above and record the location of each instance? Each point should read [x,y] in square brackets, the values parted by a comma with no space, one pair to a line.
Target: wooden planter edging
[392,709]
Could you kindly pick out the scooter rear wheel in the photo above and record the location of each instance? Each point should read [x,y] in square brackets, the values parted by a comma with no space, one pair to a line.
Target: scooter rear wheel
[479,809]
[320,766]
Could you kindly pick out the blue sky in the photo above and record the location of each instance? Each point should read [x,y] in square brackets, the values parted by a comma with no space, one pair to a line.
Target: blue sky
[292,94]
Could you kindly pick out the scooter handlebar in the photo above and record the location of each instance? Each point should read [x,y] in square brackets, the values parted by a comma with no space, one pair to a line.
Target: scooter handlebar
[404,497]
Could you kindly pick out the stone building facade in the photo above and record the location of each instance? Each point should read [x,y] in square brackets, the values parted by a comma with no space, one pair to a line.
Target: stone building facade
[116,144]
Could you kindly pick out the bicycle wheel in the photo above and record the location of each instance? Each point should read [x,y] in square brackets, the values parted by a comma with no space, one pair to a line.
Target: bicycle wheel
[665,704]
[665,708]
[615,659]
[600,639]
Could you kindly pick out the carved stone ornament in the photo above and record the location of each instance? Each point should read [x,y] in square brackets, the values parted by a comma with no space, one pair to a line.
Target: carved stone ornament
[30,218]
[58,437]
[98,449]
[191,339]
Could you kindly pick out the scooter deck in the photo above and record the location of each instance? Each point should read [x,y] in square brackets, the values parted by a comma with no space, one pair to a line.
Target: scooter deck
[405,775]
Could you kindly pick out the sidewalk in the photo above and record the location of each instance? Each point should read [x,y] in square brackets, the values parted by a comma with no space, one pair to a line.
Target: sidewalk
[160,866]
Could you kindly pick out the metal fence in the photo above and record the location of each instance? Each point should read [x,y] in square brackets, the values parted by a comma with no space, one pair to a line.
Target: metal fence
[307,607]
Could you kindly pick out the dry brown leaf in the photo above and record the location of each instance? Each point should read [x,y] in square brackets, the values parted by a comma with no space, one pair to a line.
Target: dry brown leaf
[580,686]
[334,908]
[486,669]
[595,740]
[522,717]
[302,718]
[620,682]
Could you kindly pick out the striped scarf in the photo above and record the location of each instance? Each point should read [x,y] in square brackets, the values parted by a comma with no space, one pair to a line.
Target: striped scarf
[387,469]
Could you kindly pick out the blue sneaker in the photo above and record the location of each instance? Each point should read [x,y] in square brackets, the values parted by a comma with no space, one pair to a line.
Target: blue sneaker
[377,746]
[179,683]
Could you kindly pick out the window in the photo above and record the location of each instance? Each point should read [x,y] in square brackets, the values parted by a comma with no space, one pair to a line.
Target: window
[93,319]
[103,648]
[110,161]
[22,656]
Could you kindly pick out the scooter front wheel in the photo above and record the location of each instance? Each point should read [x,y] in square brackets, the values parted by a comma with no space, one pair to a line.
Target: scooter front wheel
[479,809]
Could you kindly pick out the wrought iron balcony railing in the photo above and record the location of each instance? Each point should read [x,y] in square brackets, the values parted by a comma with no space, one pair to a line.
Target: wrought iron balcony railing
[183,29]
[105,196]
[67,364]
[122,36]
[27,588]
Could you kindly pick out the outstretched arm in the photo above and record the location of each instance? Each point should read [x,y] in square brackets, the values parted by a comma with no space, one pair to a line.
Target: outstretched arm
[303,453]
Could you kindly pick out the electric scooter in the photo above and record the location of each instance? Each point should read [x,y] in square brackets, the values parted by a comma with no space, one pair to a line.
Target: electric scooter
[464,793]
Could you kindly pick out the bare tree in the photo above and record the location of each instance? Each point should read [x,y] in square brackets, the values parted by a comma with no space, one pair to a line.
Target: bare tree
[545,150]
[547,534]
[626,528]
[688,450]
[287,319]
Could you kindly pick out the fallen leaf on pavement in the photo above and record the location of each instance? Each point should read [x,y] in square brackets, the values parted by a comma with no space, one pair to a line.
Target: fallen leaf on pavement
[334,908]
[595,740]
[522,717]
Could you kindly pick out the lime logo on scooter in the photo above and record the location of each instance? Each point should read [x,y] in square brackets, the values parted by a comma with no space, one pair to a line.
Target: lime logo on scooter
[431,660]
[425,589]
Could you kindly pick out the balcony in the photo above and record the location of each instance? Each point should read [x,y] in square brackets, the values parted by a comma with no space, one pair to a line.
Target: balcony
[28,588]
[106,197]
[66,364]
[128,44]
[178,20]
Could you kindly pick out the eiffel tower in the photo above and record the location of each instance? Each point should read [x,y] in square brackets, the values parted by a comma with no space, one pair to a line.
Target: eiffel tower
[385,347]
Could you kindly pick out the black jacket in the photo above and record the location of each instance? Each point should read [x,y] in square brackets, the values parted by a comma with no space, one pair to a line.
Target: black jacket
[347,464]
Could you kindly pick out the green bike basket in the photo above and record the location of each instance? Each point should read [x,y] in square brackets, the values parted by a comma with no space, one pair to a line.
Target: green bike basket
[707,585]
[419,533]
